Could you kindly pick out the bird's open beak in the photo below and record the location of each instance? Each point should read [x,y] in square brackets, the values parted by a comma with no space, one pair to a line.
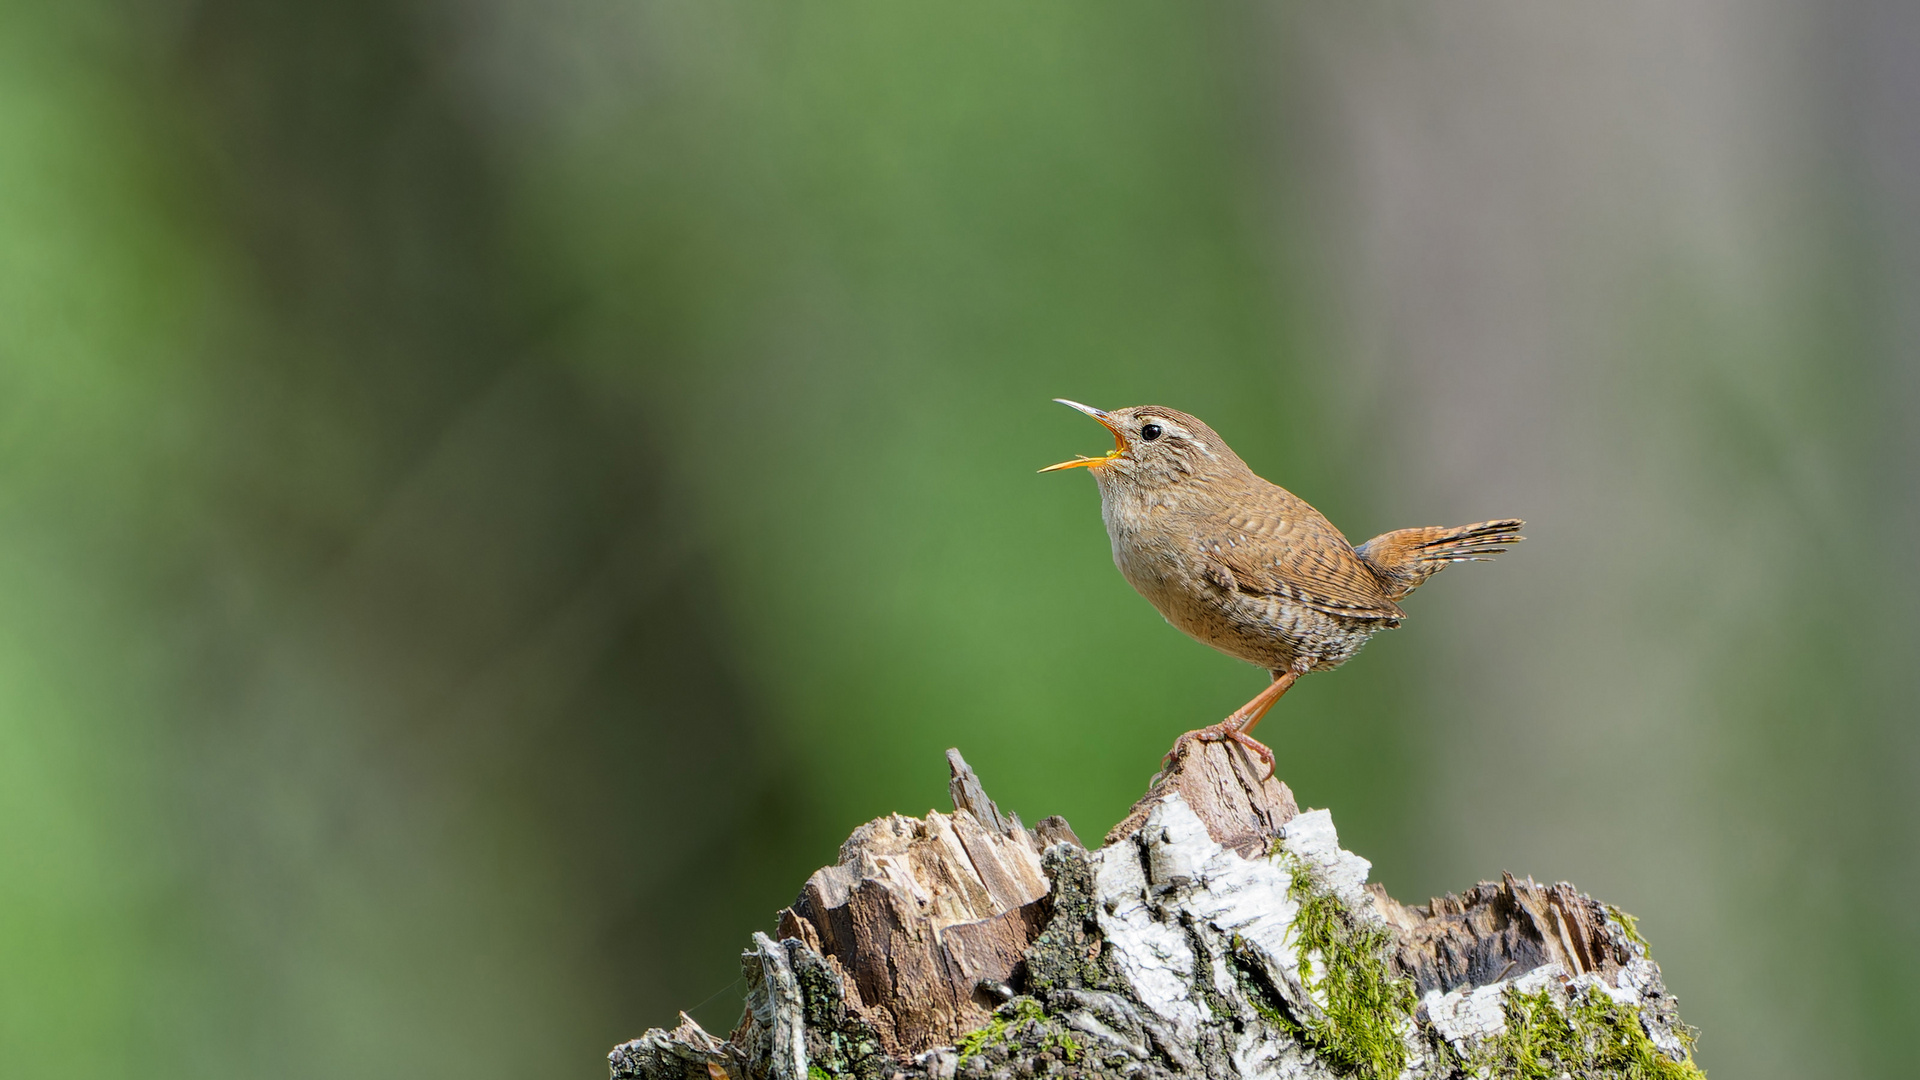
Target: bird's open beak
[1119,441]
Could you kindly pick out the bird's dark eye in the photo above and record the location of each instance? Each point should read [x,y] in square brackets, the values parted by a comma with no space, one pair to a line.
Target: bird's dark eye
[1150,432]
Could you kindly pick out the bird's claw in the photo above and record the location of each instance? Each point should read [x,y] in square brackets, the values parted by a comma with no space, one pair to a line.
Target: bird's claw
[1227,730]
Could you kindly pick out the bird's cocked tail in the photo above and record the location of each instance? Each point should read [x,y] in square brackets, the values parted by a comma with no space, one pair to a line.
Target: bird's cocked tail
[1404,558]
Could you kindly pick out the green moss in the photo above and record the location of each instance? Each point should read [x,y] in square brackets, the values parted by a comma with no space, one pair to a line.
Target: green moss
[1365,1006]
[974,1042]
[1007,1020]
[1065,1043]
[815,1072]
[1631,926]
[1594,1037]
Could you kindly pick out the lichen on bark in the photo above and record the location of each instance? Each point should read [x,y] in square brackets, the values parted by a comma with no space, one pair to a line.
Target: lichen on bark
[1069,952]
[840,1044]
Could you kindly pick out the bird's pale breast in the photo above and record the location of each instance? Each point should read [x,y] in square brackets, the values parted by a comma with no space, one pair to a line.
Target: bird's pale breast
[1165,553]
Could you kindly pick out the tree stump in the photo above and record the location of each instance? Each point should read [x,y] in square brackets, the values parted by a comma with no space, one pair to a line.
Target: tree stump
[1219,932]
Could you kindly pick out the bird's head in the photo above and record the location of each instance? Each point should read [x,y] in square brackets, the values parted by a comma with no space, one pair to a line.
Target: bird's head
[1154,446]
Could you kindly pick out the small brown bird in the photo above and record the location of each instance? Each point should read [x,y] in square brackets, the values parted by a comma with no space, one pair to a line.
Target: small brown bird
[1247,566]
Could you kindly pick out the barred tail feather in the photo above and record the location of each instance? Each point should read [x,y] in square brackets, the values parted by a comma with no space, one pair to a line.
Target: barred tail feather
[1405,558]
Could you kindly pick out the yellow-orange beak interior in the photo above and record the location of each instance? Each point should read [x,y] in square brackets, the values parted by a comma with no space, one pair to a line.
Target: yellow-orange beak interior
[1119,441]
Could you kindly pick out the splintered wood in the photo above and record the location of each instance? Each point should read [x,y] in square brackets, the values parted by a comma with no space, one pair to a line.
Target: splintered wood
[919,912]
[1242,807]
[1497,929]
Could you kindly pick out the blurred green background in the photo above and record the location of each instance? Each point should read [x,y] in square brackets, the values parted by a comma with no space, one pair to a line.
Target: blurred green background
[491,494]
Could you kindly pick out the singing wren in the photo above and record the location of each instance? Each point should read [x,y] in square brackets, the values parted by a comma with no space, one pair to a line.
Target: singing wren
[1247,566]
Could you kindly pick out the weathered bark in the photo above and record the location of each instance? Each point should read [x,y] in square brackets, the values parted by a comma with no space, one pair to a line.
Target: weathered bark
[1219,932]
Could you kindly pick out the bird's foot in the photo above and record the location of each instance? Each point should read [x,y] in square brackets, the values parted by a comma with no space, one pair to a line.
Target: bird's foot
[1228,730]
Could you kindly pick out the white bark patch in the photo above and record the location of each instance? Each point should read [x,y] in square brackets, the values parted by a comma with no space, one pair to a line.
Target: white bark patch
[1154,957]
[1262,1054]
[1468,1017]
[1311,838]
[1246,904]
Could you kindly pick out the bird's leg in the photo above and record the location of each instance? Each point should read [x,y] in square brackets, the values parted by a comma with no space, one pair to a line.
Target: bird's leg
[1250,713]
[1235,727]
